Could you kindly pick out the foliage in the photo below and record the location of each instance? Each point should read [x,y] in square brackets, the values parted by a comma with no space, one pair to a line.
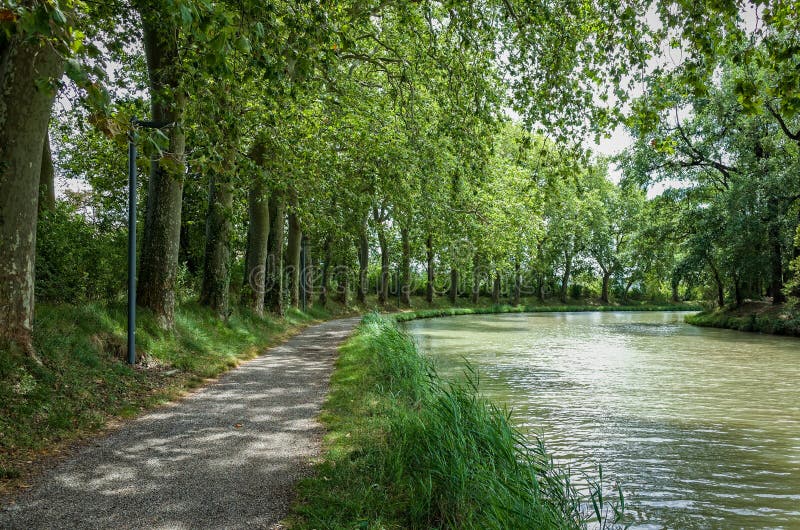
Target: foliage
[78,261]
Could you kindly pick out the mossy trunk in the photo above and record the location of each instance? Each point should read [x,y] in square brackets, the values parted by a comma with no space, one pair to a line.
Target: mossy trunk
[293,258]
[273,281]
[453,293]
[257,237]
[158,269]
[405,265]
[29,75]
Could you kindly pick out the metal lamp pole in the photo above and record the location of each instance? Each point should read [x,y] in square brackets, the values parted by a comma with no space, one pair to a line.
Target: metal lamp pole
[132,174]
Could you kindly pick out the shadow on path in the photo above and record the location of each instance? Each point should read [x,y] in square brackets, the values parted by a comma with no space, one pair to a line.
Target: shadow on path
[225,457]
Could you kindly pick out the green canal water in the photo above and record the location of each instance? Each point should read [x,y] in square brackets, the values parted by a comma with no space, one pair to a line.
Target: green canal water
[700,426]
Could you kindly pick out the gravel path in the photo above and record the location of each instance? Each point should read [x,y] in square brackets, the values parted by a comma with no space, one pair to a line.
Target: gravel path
[227,456]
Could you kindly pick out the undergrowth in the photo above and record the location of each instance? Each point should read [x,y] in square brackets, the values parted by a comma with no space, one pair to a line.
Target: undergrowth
[407,450]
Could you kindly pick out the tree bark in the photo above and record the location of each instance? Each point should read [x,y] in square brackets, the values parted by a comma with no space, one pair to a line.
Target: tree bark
[737,291]
[273,282]
[257,237]
[431,272]
[383,283]
[161,239]
[25,106]
[453,293]
[405,288]
[215,288]
[517,298]
[363,264]
[675,294]
[606,281]
[293,258]
[565,277]
[326,273]
[47,184]
[776,263]
[496,289]
[718,282]
[476,278]
[540,287]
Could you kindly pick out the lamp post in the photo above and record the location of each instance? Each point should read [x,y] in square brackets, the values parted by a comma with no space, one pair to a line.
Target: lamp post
[132,174]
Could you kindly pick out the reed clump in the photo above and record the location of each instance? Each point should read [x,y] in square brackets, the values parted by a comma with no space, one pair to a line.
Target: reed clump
[408,450]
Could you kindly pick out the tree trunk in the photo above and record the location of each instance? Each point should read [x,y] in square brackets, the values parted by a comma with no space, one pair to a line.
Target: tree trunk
[363,265]
[431,272]
[158,267]
[453,293]
[628,286]
[565,277]
[675,294]
[796,259]
[405,265]
[517,298]
[776,263]
[47,184]
[257,237]
[606,281]
[310,280]
[25,106]
[496,289]
[293,258]
[737,291]
[323,293]
[718,282]
[383,283]
[476,278]
[215,289]
[342,284]
[540,287]
[273,283]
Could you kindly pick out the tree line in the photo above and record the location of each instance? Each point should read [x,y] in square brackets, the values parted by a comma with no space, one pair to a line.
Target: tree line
[378,132]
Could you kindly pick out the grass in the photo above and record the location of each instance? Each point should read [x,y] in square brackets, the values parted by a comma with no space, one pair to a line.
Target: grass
[760,317]
[406,450]
[84,383]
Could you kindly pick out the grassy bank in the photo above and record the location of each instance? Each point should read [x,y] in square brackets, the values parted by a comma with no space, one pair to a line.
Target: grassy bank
[406,450]
[84,383]
[753,316]
[482,310]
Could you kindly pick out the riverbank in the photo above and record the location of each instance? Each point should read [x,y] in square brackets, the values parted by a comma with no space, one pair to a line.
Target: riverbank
[84,385]
[760,317]
[406,450]
[492,309]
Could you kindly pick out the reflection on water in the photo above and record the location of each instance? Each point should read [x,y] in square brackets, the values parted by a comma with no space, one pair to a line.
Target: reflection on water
[701,426]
